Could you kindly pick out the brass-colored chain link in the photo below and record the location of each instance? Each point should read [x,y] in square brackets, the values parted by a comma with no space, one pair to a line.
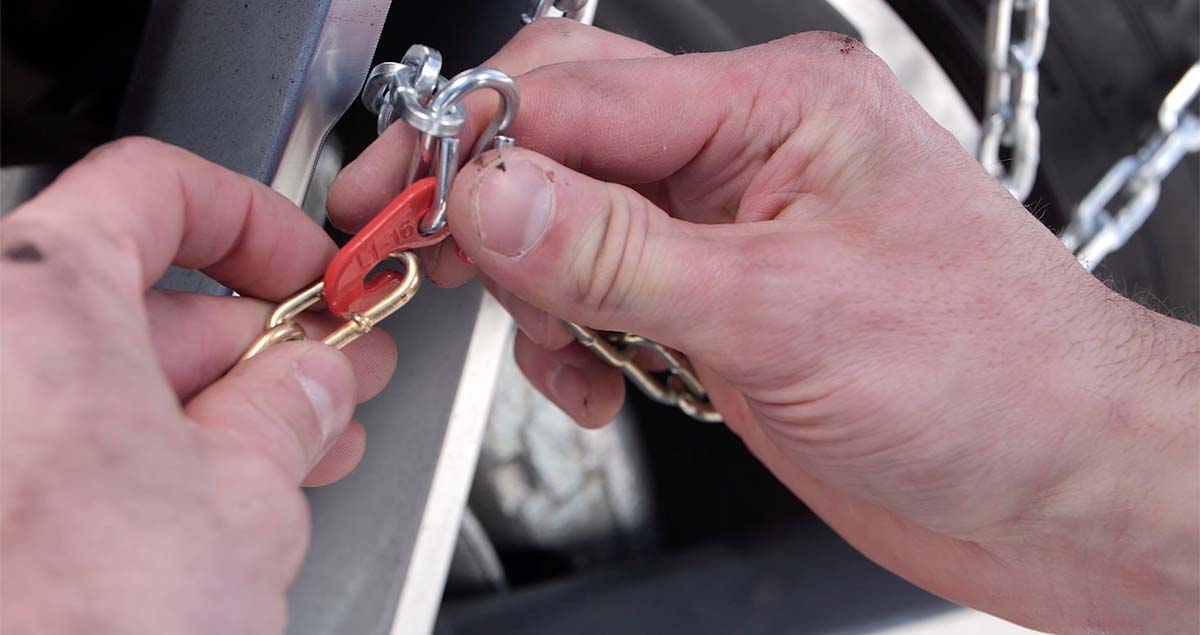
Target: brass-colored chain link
[282,325]
[681,388]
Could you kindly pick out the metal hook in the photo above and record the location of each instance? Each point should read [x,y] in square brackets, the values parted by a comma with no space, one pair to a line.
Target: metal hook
[414,91]
[449,99]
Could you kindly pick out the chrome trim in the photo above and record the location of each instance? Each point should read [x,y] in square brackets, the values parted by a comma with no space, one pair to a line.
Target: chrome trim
[421,590]
[335,74]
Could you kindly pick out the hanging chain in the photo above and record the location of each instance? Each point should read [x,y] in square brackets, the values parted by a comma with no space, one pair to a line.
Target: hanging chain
[1017,31]
[1122,201]
[282,325]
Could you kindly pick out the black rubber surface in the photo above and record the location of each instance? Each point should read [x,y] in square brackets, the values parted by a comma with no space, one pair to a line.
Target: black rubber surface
[800,579]
[688,26]
[1108,65]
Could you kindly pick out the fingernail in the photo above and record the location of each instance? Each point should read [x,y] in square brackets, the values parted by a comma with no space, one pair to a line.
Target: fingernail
[310,375]
[569,389]
[513,207]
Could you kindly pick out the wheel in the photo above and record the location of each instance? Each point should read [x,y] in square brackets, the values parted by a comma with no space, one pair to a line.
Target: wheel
[553,497]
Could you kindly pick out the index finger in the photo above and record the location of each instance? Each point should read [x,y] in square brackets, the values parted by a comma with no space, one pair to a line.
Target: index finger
[135,206]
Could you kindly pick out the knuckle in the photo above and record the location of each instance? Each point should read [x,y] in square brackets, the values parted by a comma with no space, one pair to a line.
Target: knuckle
[607,274]
[849,71]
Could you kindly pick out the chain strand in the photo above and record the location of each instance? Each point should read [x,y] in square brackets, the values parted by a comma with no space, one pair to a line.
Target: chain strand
[1128,194]
[1010,124]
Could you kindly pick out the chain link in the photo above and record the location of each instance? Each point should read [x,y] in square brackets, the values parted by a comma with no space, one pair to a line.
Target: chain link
[1017,31]
[680,388]
[282,325]
[415,91]
[1128,194]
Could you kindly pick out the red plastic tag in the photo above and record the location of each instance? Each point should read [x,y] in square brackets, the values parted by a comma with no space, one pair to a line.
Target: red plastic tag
[395,228]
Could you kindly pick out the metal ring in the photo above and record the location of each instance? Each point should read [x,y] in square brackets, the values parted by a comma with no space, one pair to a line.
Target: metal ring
[447,123]
[456,90]
[427,65]
[379,84]
[407,87]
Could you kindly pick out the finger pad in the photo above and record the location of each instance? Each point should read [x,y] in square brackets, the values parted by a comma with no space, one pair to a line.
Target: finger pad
[341,459]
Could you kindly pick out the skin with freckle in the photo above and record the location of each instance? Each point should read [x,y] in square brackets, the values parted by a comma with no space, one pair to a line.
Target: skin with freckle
[896,338]
[25,252]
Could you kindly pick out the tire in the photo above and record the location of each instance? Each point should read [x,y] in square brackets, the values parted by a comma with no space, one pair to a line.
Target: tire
[553,497]
[1107,67]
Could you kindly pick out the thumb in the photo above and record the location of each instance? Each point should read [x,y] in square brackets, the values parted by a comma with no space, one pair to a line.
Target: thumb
[592,252]
[290,403]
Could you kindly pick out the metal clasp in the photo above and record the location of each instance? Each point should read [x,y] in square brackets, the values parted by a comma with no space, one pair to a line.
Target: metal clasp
[446,163]
[415,92]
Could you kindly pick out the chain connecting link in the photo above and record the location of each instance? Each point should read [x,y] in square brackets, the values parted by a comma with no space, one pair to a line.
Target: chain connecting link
[283,327]
[1017,31]
[415,91]
[1128,194]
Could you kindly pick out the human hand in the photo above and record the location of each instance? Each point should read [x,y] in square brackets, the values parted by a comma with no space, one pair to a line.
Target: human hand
[896,338]
[142,489]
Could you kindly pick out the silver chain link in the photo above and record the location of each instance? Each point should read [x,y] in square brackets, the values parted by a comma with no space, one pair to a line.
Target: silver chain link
[1017,31]
[1122,201]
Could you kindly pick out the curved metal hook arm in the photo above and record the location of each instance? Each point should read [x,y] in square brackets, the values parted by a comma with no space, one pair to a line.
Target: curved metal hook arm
[449,98]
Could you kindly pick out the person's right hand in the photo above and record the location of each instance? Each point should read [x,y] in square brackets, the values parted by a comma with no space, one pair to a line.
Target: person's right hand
[896,338]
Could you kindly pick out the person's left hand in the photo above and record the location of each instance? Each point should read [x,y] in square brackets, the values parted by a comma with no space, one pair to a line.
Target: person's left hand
[140,489]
